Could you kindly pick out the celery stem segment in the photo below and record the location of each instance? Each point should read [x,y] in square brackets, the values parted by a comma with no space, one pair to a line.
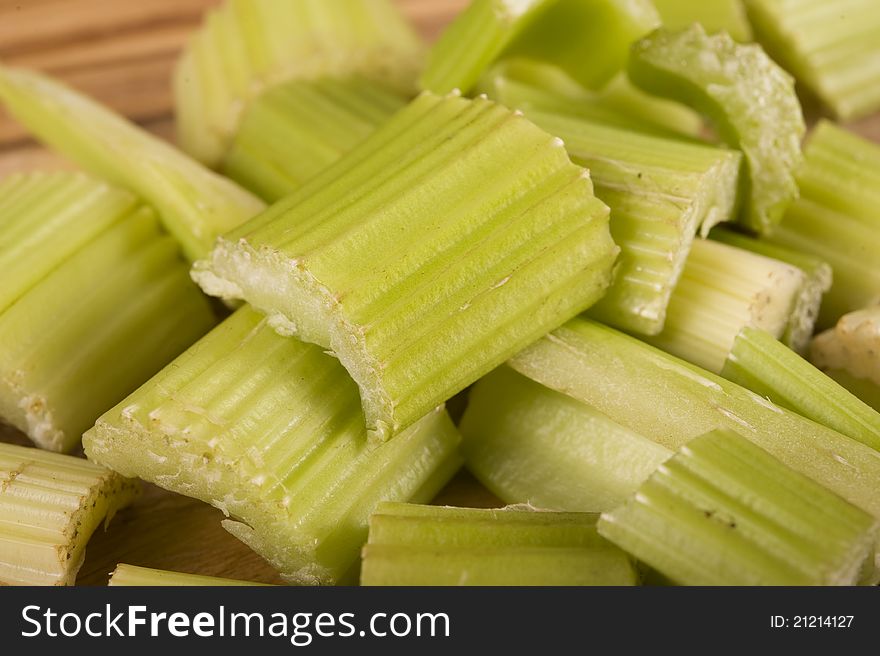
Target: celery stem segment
[853,345]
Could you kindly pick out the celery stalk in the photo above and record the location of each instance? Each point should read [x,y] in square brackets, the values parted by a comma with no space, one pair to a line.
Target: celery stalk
[750,100]
[269,429]
[853,345]
[451,238]
[50,505]
[714,15]
[862,388]
[131,575]
[443,546]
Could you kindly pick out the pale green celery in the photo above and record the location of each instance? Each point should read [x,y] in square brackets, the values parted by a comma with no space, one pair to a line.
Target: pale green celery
[441,546]
[247,46]
[297,129]
[661,193]
[853,345]
[836,218]
[529,444]
[269,429]
[724,289]
[864,389]
[819,278]
[194,204]
[102,322]
[750,100]
[723,511]
[714,15]
[671,402]
[50,505]
[451,238]
[131,575]
[589,39]
[831,48]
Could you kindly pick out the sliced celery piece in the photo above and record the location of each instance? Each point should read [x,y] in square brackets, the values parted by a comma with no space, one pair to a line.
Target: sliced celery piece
[722,290]
[750,100]
[670,401]
[529,444]
[853,345]
[50,505]
[451,238]
[297,129]
[442,546]
[714,15]
[247,46]
[269,429]
[589,39]
[661,193]
[131,575]
[723,511]
[862,388]
[195,204]
[832,48]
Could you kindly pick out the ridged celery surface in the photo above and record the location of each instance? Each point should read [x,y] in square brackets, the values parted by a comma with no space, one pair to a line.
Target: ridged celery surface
[131,576]
[853,345]
[661,193]
[836,218]
[269,429]
[530,444]
[722,290]
[247,46]
[671,402]
[589,39]
[50,505]
[295,130]
[105,318]
[442,546]
[451,238]
[764,365]
[723,511]
[194,204]
[748,97]
[714,15]
[831,47]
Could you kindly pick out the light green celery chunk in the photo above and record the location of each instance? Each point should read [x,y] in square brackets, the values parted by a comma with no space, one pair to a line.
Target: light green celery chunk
[451,238]
[247,46]
[661,193]
[724,289]
[714,15]
[671,402]
[131,575]
[50,505]
[529,444]
[864,389]
[750,100]
[194,204]
[830,47]
[853,345]
[297,129]
[723,511]
[431,545]
[269,429]
[589,39]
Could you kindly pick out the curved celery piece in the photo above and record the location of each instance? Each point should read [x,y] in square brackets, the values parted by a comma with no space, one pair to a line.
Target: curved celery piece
[50,505]
[451,238]
[247,46]
[269,429]
[714,15]
[722,511]
[671,402]
[853,345]
[442,546]
[751,101]
[589,39]
[529,444]
[194,204]
[764,365]
[295,130]
[131,576]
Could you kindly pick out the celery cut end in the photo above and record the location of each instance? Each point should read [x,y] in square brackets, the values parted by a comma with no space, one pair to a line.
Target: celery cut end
[853,345]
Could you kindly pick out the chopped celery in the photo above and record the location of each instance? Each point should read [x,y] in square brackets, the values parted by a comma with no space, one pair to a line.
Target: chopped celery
[832,48]
[297,129]
[853,345]
[248,46]
[269,429]
[764,365]
[714,15]
[194,204]
[530,444]
[724,512]
[750,100]
[131,575]
[589,39]
[442,546]
[670,401]
[451,238]
[50,505]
